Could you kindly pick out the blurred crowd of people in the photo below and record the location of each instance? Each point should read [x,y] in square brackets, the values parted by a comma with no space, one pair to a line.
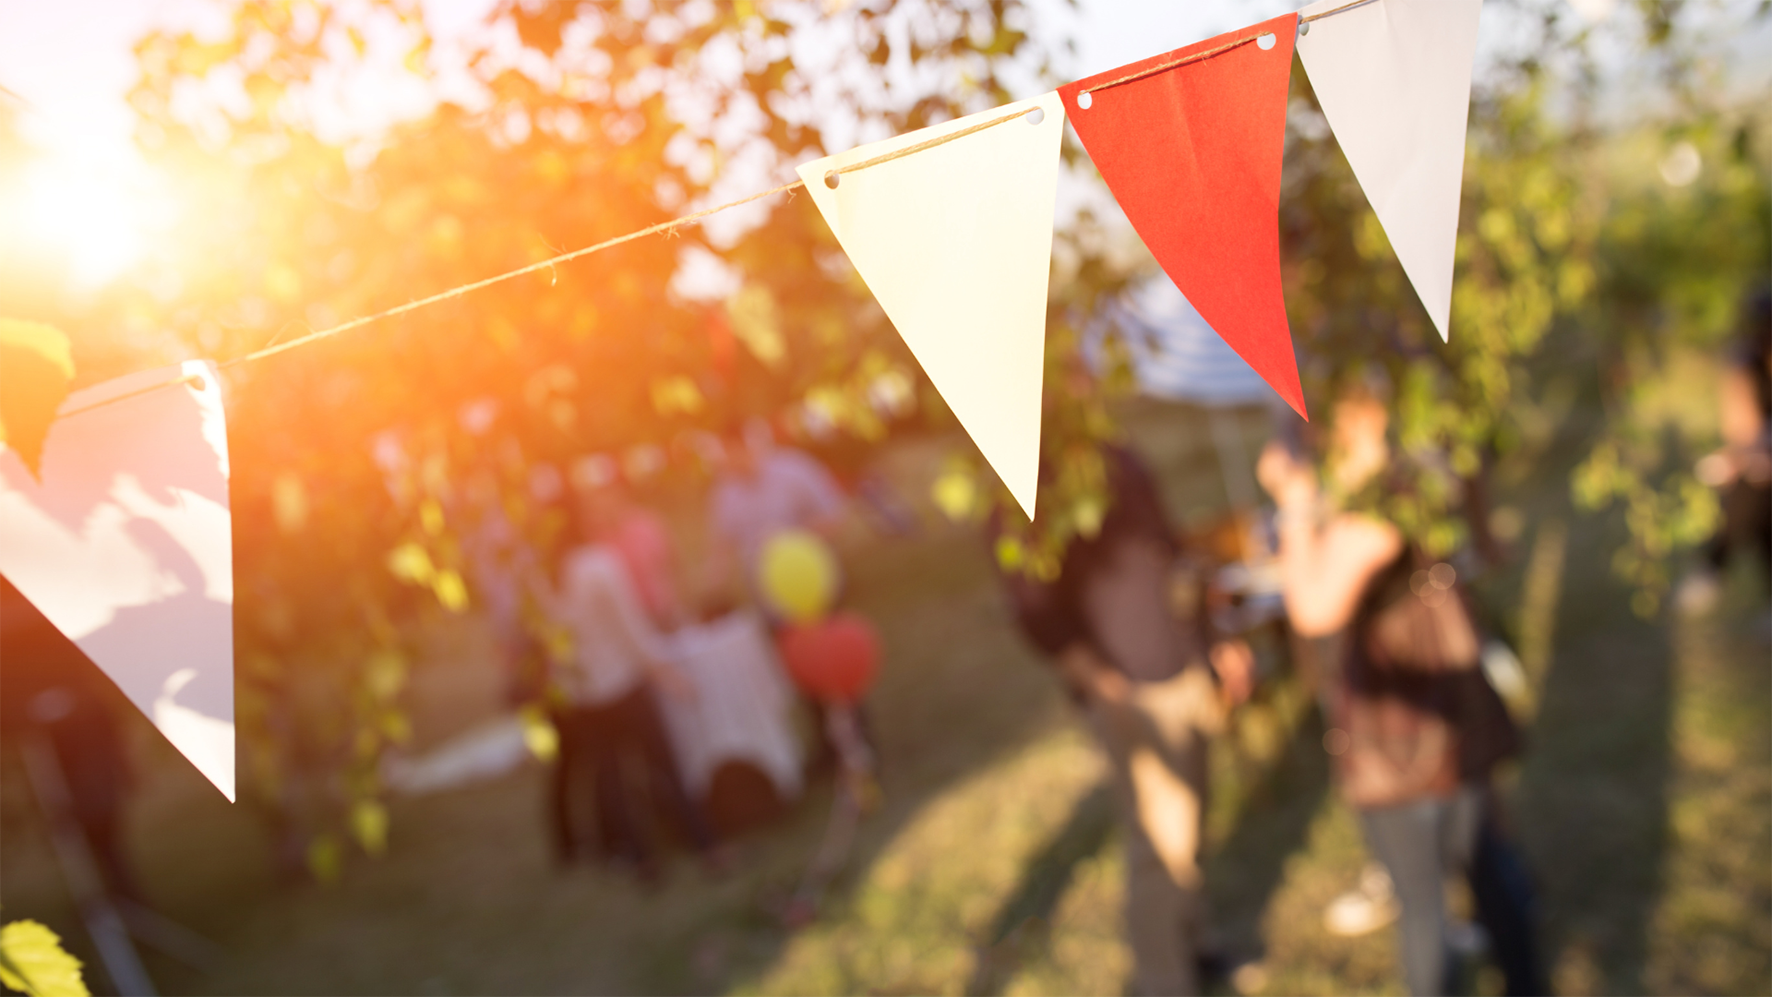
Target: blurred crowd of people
[619,694]
[1402,660]
[604,631]
[1387,637]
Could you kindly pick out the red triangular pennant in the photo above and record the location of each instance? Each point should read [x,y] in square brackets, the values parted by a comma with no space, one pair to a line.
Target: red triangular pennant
[1192,153]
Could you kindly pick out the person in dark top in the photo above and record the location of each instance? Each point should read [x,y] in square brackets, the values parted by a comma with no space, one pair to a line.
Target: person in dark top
[1741,470]
[1415,729]
[1143,678]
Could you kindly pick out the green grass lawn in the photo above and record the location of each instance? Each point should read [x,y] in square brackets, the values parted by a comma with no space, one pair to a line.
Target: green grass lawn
[993,867]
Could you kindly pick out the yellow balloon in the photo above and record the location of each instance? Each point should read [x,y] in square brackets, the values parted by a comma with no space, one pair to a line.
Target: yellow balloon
[798,575]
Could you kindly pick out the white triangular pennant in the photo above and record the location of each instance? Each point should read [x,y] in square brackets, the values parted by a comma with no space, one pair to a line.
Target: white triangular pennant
[1394,79]
[126,545]
[955,241]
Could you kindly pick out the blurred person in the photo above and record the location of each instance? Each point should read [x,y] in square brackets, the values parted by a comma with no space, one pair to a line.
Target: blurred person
[1145,679]
[642,538]
[1416,730]
[1741,470]
[610,722]
[762,490]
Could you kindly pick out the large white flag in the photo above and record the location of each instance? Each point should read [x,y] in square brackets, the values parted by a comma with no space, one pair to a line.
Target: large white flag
[955,241]
[126,545]
[1394,79]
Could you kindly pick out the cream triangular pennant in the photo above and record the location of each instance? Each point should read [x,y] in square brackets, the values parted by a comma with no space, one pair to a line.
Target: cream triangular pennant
[1394,79]
[955,241]
[125,544]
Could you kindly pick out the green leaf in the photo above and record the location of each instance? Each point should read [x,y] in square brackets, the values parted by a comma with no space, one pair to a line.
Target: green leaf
[35,368]
[33,961]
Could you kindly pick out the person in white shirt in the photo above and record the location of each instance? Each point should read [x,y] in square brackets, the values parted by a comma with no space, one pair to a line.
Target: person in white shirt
[611,719]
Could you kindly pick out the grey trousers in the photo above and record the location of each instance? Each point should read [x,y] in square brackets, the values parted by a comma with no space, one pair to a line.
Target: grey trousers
[1419,843]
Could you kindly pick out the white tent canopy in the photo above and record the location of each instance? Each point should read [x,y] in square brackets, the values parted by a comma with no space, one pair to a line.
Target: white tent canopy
[1175,354]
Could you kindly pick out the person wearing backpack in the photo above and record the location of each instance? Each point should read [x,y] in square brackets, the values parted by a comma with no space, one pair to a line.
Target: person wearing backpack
[1415,729]
[1153,686]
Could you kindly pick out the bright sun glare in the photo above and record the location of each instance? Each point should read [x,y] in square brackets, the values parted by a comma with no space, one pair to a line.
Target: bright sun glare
[92,210]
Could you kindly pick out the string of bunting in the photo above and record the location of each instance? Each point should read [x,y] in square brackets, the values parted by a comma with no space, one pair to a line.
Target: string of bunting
[673,224]
[952,237]
[549,263]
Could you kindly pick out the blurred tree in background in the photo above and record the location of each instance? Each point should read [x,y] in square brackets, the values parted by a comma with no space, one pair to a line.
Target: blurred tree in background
[570,124]
[1601,246]
[364,463]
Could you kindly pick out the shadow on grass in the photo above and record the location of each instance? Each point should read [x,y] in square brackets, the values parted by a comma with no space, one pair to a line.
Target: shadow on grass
[1592,799]
[1246,869]
[1242,874]
[1024,922]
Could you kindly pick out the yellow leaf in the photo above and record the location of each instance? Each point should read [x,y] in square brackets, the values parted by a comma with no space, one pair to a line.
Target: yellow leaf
[451,591]
[417,58]
[676,394]
[1088,515]
[954,493]
[369,822]
[386,674]
[36,365]
[753,318]
[411,563]
[395,727]
[539,735]
[32,960]
[1010,553]
[430,517]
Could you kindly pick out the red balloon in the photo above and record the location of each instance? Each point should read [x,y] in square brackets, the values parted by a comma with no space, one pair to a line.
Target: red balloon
[833,660]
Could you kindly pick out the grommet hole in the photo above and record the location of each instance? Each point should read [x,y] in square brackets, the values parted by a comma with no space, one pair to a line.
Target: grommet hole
[832,178]
[1084,100]
[1035,116]
[1266,41]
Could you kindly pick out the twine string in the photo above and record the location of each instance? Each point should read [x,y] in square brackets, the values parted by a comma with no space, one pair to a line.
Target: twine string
[456,292]
[1219,50]
[668,227]
[125,396]
[1164,67]
[887,157]
[1350,5]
